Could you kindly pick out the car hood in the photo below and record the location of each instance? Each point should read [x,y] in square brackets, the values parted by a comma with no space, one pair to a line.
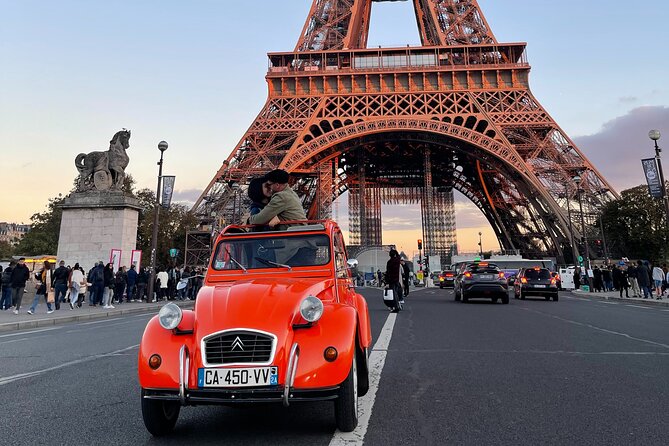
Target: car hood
[264,304]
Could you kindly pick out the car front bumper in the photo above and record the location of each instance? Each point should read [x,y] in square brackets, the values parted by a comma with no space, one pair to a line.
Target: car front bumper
[195,397]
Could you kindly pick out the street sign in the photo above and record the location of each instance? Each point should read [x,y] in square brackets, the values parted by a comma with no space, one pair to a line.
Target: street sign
[580,259]
[174,252]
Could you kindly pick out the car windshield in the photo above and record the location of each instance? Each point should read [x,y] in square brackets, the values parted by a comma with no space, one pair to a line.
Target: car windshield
[238,253]
[534,274]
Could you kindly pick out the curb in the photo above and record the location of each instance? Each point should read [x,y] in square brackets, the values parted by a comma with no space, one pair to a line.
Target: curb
[35,323]
[659,303]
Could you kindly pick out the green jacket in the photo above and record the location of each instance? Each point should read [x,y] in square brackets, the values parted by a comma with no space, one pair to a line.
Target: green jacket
[285,204]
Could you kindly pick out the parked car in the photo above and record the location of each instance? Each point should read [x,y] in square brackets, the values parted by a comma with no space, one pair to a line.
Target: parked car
[277,321]
[536,282]
[481,280]
[446,279]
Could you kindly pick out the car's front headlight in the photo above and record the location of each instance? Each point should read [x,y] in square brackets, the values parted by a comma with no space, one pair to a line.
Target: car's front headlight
[311,308]
[170,316]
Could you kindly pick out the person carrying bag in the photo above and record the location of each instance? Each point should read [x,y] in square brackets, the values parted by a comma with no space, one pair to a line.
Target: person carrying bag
[393,276]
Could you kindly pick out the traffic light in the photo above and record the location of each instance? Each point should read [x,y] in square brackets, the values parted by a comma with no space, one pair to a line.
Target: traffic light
[420,244]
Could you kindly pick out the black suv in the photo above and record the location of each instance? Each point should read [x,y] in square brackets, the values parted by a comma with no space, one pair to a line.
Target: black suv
[535,282]
[481,280]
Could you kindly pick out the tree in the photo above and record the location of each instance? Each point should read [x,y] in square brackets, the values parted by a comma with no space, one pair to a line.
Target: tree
[6,250]
[44,231]
[172,227]
[635,225]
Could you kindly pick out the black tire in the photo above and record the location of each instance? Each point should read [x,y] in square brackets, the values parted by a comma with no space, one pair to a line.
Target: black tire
[505,300]
[555,298]
[495,300]
[547,297]
[520,295]
[456,295]
[464,297]
[346,404]
[363,373]
[160,417]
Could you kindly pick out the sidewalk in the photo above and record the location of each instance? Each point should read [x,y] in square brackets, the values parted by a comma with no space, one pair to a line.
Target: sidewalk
[615,295]
[12,322]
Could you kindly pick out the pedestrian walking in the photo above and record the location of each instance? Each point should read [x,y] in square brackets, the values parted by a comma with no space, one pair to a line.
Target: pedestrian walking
[577,278]
[6,283]
[44,289]
[131,282]
[20,276]
[597,279]
[632,274]
[393,276]
[75,283]
[658,278]
[142,282]
[108,286]
[620,279]
[60,276]
[644,279]
[405,277]
[607,278]
[119,286]
[162,288]
[96,278]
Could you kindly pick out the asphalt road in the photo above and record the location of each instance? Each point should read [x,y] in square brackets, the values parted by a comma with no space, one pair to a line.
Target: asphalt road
[577,371]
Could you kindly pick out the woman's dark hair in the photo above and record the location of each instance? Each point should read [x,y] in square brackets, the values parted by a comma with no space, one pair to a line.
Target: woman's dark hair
[76,266]
[255,190]
[109,265]
[394,253]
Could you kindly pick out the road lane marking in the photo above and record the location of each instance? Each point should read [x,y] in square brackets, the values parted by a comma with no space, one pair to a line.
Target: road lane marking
[533,352]
[100,322]
[377,360]
[608,303]
[21,333]
[638,306]
[20,376]
[594,327]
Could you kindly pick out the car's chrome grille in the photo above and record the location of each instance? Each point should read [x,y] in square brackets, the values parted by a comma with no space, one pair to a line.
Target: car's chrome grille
[238,346]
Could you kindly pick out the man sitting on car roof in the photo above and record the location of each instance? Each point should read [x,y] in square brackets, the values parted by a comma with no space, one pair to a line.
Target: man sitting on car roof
[285,205]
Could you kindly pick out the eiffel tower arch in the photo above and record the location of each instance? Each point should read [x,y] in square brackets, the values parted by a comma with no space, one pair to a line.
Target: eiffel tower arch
[411,125]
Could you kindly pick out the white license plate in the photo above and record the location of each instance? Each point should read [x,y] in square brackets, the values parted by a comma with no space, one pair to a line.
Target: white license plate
[539,286]
[485,277]
[246,377]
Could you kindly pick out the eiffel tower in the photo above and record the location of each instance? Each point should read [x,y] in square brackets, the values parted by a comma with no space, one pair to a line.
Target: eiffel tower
[411,125]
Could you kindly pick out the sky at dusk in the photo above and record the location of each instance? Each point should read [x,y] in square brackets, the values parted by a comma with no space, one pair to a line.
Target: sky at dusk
[192,73]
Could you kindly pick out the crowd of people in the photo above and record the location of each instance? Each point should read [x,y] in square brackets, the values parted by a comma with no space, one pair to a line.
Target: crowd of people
[642,279]
[100,286]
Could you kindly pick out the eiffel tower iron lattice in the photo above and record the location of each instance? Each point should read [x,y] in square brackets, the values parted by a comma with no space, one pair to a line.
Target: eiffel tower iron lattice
[411,125]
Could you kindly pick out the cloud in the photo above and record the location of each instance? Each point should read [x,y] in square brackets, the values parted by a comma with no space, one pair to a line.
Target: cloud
[616,150]
[186,196]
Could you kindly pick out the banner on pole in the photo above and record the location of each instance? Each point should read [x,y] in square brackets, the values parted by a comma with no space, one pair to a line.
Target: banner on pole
[168,188]
[115,259]
[652,173]
[136,259]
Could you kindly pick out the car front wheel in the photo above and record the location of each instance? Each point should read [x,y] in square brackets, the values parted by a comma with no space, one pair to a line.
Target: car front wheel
[346,404]
[160,417]
[555,298]
[464,297]
[505,299]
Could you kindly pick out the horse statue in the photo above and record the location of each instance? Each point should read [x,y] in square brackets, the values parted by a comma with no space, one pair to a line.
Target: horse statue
[104,171]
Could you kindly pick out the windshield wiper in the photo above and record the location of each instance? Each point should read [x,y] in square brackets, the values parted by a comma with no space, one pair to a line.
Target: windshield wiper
[235,260]
[269,262]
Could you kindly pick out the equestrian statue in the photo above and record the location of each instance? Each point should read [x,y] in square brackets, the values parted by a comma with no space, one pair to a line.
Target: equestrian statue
[104,171]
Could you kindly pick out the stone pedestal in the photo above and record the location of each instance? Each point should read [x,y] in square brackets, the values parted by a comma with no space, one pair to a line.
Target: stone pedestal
[93,224]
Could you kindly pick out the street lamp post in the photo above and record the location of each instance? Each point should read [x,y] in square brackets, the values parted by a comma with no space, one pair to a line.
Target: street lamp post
[577,180]
[480,245]
[162,146]
[571,229]
[655,136]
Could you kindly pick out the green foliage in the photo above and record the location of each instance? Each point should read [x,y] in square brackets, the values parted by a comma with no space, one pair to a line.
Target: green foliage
[172,227]
[6,250]
[44,231]
[635,225]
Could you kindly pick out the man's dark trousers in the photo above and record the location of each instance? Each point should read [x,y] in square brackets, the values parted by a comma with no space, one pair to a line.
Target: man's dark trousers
[60,290]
